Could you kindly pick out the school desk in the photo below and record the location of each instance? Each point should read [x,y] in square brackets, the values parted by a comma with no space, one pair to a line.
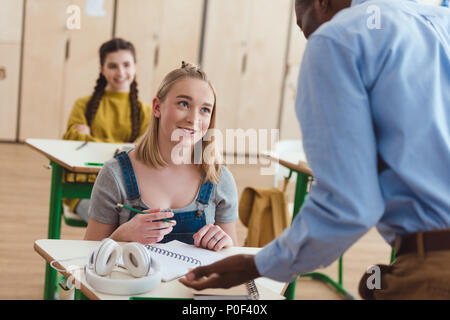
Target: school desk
[68,156]
[60,251]
[304,178]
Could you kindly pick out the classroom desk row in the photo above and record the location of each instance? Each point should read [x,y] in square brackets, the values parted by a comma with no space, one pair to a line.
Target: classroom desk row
[70,256]
[79,157]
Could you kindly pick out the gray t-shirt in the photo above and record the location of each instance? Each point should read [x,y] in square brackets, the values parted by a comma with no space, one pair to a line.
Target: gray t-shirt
[109,189]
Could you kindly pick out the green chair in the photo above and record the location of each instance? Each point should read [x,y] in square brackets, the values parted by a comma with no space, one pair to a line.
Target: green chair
[301,191]
[72,219]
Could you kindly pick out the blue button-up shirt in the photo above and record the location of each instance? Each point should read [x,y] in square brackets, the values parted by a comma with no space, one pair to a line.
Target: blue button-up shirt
[374,107]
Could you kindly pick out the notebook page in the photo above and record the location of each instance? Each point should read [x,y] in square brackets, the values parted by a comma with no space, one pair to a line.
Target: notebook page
[204,255]
[172,266]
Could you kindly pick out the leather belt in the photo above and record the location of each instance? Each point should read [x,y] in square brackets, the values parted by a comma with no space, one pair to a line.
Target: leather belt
[435,240]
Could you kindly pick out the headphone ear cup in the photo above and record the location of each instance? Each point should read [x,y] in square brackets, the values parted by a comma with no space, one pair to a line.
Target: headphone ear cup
[105,257]
[136,259]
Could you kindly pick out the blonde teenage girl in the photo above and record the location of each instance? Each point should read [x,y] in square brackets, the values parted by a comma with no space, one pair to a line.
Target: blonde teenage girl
[159,173]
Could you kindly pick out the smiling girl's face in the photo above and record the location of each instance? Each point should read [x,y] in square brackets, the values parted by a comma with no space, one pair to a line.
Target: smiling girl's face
[185,113]
[119,70]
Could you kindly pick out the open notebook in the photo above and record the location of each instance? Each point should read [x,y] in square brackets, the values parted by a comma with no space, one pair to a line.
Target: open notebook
[176,258]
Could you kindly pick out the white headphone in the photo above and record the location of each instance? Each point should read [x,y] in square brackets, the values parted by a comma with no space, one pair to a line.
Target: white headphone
[137,261]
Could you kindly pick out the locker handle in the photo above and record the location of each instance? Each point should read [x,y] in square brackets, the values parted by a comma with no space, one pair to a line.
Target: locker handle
[2,73]
[67,53]
[244,64]
[156,57]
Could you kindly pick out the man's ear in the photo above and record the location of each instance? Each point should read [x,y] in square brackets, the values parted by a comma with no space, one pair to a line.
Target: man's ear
[156,107]
[324,5]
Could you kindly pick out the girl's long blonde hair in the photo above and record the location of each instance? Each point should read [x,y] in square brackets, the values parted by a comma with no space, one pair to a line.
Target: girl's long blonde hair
[147,149]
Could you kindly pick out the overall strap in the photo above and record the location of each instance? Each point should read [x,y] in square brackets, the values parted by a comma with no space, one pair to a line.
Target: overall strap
[128,175]
[205,192]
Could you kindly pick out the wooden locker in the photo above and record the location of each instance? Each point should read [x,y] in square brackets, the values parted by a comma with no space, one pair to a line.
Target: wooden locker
[10,47]
[82,64]
[164,32]
[290,127]
[60,62]
[45,36]
[244,55]
[224,55]
[260,94]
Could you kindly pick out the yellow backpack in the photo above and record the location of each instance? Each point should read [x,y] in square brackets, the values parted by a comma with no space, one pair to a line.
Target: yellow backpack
[265,213]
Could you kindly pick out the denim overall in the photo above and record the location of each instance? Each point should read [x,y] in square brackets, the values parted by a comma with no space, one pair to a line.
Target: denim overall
[188,222]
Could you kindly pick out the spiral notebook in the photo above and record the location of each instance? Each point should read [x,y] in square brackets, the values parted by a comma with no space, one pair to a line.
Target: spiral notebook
[246,291]
[177,258]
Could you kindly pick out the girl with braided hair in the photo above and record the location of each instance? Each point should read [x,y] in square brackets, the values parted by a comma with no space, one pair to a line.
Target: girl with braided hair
[199,197]
[113,112]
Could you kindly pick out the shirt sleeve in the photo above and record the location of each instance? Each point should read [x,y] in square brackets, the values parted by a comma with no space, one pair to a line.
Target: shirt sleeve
[345,200]
[77,116]
[105,196]
[226,198]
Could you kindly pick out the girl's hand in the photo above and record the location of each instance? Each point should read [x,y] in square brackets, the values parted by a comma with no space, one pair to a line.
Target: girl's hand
[145,229]
[83,129]
[212,237]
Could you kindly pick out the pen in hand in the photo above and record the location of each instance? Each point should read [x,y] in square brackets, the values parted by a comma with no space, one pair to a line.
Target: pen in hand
[142,212]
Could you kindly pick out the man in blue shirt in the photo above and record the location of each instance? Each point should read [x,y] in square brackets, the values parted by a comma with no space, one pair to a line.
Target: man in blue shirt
[374,106]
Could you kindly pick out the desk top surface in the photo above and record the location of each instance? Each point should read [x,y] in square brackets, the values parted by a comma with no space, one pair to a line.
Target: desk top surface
[68,153]
[72,255]
[299,164]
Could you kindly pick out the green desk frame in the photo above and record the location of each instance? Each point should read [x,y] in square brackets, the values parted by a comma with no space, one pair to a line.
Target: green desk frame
[60,190]
[301,191]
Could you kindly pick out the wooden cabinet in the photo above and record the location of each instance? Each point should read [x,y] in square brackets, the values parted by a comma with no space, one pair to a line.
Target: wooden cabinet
[59,64]
[247,48]
[82,62]
[44,44]
[289,125]
[11,14]
[244,56]
[164,32]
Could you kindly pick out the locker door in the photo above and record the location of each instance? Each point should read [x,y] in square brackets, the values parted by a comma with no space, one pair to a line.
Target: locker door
[82,64]
[224,55]
[179,38]
[10,46]
[262,81]
[139,21]
[164,32]
[290,127]
[45,36]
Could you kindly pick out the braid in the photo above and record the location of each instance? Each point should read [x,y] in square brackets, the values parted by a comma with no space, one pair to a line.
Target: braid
[135,112]
[94,102]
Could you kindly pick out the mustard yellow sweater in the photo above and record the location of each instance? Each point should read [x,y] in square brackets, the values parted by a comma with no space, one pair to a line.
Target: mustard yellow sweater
[111,123]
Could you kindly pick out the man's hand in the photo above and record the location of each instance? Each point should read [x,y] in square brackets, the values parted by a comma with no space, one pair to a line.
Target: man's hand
[225,273]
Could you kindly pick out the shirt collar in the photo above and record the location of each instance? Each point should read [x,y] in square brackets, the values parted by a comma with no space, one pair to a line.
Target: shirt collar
[356,2]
